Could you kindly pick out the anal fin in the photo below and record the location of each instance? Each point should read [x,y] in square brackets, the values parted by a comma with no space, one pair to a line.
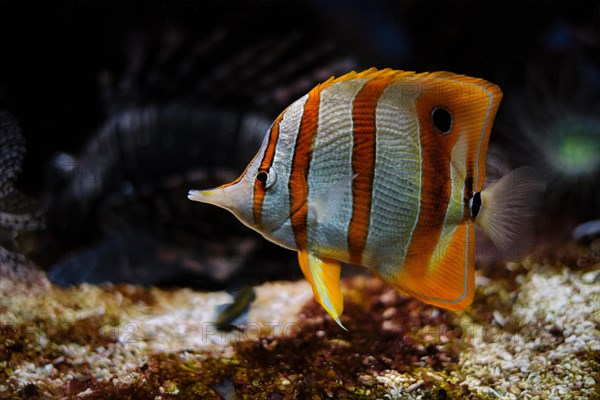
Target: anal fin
[324,278]
[444,278]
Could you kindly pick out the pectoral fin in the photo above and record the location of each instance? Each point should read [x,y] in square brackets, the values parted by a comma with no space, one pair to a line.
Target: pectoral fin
[324,277]
[329,201]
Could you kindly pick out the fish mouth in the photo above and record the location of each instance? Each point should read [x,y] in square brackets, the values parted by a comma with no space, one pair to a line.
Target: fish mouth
[195,195]
[198,195]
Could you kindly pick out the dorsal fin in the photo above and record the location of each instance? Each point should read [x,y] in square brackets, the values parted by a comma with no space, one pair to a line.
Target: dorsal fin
[398,75]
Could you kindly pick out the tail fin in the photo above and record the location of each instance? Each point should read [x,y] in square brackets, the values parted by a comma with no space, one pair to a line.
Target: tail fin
[507,211]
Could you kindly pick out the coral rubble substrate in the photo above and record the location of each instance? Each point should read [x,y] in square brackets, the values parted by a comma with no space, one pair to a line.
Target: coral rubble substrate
[532,333]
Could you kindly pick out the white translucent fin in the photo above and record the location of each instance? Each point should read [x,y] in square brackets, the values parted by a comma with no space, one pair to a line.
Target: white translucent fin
[329,201]
[507,211]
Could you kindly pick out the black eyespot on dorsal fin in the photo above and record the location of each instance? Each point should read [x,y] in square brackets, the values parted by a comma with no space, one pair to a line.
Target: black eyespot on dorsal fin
[442,120]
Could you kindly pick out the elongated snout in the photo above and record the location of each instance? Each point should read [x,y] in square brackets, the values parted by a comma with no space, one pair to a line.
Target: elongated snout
[235,197]
[217,197]
[229,196]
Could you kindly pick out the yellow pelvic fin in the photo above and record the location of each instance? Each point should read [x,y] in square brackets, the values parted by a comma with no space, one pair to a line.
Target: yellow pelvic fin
[444,278]
[324,277]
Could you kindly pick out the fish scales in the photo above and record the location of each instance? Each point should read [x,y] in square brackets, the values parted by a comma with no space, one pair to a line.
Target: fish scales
[396,181]
[364,109]
[379,168]
[299,174]
[331,162]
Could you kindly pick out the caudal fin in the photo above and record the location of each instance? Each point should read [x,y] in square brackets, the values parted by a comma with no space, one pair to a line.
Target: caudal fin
[507,211]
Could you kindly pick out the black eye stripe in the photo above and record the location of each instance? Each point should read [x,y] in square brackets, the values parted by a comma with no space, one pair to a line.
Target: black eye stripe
[442,120]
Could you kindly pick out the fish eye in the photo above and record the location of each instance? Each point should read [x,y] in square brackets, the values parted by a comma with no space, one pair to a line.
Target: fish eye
[262,176]
[442,120]
[267,178]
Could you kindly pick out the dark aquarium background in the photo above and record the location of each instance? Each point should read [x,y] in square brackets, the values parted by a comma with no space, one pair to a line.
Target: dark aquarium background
[127,106]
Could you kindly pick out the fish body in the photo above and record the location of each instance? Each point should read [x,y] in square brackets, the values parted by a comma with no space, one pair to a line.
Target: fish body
[383,169]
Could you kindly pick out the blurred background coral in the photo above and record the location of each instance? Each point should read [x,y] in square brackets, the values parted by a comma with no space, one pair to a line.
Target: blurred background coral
[127,106]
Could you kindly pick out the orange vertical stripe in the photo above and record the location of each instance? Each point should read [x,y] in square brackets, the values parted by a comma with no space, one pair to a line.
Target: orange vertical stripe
[265,164]
[363,164]
[298,183]
[436,183]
